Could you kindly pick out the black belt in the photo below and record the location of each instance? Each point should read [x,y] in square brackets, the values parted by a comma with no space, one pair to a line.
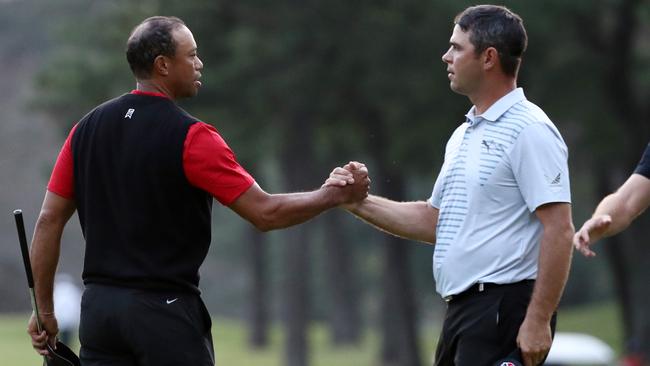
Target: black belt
[484,286]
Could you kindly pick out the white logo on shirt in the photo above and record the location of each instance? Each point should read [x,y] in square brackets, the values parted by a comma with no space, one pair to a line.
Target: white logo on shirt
[129,113]
[171,301]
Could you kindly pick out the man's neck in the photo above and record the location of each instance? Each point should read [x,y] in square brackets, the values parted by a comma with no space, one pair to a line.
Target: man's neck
[484,98]
[150,86]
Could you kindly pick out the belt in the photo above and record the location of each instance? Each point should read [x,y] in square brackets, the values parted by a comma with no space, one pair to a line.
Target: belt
[484,286]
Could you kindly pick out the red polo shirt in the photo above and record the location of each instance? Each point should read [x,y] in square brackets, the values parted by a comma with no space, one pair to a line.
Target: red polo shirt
[208,162]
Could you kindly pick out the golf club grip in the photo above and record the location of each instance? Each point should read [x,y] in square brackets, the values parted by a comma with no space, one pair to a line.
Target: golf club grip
[20,226]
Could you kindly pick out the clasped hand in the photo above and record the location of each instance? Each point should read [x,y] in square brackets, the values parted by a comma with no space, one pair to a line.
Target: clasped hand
[352,179]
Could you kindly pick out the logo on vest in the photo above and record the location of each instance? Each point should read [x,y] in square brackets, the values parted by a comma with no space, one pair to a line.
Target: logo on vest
[507,364]
[129,113]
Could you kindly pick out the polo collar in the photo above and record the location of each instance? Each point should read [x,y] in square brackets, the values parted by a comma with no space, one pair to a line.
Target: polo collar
[151,94]
[497,109]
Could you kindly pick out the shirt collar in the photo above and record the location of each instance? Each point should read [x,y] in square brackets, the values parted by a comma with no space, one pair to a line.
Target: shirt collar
[498,108]
[151,94]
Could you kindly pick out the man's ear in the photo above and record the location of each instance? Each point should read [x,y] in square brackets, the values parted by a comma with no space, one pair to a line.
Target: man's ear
[161,65]
[490,58]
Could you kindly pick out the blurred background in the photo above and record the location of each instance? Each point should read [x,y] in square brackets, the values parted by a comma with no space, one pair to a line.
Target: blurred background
[299,87]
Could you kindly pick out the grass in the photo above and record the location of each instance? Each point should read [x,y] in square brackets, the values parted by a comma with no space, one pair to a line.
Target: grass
[230,340]
[14,342]
[600,320]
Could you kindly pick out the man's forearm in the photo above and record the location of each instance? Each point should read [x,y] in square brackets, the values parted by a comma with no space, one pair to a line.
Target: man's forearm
[290,209]
[46,244]
[621,215]
[624,205]
[554,263]
[276,211]
[44,255]
[410,220]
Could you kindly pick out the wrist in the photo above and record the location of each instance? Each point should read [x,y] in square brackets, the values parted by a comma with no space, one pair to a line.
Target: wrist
[352,207]
[537,317]
[332,196]
[43,313]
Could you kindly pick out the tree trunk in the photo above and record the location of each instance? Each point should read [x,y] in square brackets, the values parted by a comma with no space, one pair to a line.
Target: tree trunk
[628,252]
[627,255]
[400,345]
[620,269]
[298,158]
[636,251]
[344,318]
[296,295]
[258,321]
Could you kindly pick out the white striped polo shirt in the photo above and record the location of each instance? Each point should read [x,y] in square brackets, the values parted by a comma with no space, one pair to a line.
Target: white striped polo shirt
[498,168]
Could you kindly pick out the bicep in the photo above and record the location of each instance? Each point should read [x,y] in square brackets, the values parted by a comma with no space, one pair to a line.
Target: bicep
[539,162]
[555,215]
[431,213]
[423,218]
[209,164]
[56,209]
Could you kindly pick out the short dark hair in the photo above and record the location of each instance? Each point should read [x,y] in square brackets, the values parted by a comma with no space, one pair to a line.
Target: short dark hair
[498,27]
[148,40]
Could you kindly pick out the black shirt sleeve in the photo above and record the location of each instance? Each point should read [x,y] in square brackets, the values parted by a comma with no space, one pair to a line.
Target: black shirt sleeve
[644,165]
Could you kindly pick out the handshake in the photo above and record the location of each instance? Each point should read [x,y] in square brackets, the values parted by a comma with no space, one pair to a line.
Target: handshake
[350,182]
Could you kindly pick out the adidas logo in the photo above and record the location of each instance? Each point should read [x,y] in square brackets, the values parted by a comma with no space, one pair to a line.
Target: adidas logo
[557,179]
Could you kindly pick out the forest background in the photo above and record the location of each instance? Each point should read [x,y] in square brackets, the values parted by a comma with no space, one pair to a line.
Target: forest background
[299,87]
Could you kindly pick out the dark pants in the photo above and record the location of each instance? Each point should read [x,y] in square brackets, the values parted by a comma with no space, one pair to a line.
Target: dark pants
[130,327]
[481,327]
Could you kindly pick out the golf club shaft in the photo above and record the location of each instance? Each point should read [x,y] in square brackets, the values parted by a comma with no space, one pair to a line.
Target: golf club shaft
[20,226]
[22,238]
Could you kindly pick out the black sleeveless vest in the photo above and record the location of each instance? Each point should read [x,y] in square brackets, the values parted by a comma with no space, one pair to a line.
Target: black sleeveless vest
[145,226]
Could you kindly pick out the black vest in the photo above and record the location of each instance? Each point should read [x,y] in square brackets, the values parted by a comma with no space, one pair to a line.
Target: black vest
[145,226]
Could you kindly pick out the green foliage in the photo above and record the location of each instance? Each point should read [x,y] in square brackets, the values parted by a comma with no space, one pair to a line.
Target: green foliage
[86,67]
